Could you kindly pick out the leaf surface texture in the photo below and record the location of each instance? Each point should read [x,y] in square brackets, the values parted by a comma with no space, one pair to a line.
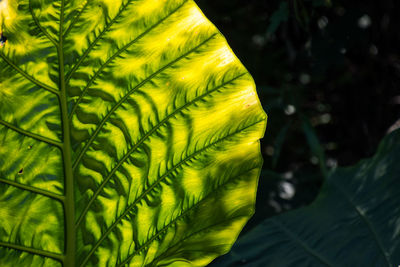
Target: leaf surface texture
[129,135]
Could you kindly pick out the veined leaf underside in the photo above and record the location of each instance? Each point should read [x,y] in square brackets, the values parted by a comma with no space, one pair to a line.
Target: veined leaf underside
[138,138]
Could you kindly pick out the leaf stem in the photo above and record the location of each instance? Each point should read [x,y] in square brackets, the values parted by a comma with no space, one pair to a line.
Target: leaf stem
[69,207]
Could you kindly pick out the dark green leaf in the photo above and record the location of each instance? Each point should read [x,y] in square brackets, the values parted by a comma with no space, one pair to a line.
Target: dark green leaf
[279,16]
[355,221]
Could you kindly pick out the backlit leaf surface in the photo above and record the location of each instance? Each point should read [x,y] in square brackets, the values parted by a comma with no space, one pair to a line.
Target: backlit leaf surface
[129,135]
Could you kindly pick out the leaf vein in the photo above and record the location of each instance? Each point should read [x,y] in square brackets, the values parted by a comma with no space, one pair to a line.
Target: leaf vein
[301,243]
[34,190]
[158,181]
[75,19]
[34,251]
[40,26]
[32,135]
[91,46]
[122,100]
[196,233]
[28,77]
[366,221]
[147,135]
[159,232]
[124,48]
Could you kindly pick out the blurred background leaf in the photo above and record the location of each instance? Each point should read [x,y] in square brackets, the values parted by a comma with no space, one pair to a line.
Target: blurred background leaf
[356,213]
[279,16]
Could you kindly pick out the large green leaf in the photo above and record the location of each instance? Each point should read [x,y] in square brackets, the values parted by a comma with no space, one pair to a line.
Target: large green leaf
[355,221]
[129,135]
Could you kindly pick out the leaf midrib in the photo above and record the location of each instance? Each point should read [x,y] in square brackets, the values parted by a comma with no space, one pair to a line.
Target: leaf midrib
[69,204]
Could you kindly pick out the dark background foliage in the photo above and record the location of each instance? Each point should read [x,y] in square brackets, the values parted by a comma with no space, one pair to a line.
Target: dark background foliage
[328,76]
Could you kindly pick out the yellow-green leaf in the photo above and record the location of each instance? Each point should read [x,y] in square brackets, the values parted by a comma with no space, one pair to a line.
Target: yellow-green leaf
[129,135]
